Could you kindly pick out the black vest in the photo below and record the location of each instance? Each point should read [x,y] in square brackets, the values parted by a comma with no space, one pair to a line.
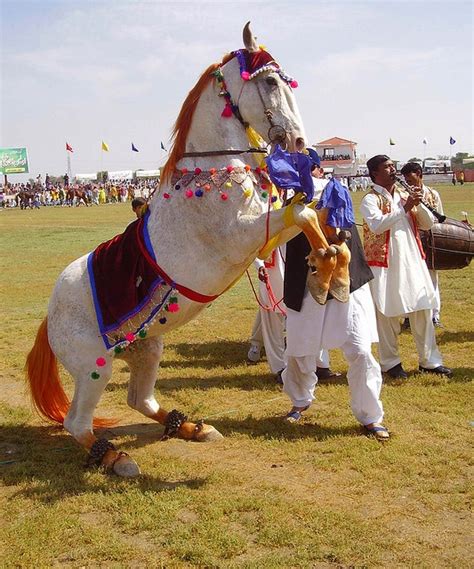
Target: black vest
[296,268]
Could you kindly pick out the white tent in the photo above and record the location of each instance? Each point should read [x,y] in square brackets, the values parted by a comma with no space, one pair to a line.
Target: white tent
[86,176]
[121,175]
[147,173]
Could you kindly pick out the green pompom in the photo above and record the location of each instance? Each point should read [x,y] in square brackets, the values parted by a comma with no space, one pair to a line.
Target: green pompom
[118,349]
[264,195]
[142,334]
[95,375]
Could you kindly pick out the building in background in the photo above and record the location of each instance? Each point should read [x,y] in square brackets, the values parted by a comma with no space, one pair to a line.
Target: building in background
[338,156]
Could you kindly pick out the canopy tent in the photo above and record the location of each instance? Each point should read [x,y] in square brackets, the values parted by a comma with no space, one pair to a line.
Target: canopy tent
[147,173]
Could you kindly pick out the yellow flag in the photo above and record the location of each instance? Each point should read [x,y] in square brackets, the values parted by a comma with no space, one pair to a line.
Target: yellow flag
[105,146]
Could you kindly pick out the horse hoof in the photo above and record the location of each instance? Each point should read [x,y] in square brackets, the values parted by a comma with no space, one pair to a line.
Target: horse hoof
[340,291]
[319,293]
[126,467]
[208,434]
[343,235]
[332,251]
[321,253]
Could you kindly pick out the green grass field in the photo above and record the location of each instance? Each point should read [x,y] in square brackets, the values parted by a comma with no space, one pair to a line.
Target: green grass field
[317,494]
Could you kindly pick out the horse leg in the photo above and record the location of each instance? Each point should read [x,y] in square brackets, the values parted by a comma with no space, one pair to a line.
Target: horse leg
[143,359]
[79,420]
[339,285]
[322,256]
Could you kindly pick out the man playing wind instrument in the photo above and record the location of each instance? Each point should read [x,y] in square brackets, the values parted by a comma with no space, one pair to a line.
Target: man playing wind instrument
[402,285]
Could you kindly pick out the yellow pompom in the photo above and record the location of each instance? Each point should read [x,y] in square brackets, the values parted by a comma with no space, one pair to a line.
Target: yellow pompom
[228,184]
[262,47]
[248,193]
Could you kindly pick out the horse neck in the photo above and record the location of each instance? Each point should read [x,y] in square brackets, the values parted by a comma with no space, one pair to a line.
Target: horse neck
[211,131]
[202,233]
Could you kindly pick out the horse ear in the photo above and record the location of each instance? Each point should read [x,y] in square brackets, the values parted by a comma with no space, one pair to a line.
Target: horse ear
[249,40]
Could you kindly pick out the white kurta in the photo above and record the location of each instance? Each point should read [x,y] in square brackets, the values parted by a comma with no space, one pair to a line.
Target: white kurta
[405,285]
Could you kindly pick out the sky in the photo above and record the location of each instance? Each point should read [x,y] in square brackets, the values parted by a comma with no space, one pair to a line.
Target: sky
[119,70]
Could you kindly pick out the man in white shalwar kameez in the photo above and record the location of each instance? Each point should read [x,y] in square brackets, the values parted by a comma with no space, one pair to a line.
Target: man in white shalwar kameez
[350,326]
[402,285]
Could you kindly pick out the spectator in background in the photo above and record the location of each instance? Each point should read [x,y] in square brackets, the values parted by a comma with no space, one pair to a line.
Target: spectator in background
[139,206]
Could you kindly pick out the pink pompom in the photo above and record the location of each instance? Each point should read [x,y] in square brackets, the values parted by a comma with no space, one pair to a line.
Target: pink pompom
[224,197]
[197,170]
[100,362]
[166,196]
[229,168]
[294,84]
[189,193]
[184,171]
[264,186]
[227,112]
[130,337]
[212,171]
[245,75]
[173,307]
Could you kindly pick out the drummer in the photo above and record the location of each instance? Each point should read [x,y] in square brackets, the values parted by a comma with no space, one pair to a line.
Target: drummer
[402,284]
[413,174]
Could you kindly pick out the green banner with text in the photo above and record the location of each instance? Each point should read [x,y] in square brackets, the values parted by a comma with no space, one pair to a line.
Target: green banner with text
[13,161]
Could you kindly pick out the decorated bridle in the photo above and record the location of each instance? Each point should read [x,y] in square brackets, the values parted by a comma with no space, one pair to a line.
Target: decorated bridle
[252,64]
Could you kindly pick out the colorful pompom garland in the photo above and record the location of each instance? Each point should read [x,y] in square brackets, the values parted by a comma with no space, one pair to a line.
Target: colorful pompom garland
[170,304]
[197,182]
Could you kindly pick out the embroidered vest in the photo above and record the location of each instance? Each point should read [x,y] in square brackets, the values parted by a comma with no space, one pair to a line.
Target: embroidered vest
[376,246]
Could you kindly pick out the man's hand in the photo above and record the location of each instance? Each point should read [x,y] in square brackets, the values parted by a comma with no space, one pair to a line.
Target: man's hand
[413,199]
[262,274]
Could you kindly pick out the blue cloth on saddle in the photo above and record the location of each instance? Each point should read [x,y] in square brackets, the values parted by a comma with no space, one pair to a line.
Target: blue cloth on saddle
[291,170]
[122,279]
[336,199]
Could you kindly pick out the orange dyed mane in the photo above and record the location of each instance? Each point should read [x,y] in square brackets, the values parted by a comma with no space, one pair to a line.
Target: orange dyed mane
[185,117]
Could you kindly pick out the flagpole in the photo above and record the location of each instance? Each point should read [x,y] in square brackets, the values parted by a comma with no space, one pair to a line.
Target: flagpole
[69,165]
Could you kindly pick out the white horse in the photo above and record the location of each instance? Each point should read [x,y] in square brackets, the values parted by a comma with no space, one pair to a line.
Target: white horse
[204,241]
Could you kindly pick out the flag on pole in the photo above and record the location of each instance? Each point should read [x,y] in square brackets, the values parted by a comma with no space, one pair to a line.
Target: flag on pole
[105,146]
[451,140]
[392,142]
[425,141]
[163,147]
[69,147]
[134,148]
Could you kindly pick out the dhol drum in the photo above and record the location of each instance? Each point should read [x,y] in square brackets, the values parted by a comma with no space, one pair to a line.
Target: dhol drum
[448,245]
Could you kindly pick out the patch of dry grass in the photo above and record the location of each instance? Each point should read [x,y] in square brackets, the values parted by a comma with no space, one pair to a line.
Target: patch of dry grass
[316,494]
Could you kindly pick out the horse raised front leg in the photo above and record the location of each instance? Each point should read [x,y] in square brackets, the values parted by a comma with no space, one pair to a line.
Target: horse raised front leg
[144,360]
[322,258]
[339,285]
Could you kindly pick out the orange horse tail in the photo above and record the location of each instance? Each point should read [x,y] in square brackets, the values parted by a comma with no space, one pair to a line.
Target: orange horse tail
[42,373]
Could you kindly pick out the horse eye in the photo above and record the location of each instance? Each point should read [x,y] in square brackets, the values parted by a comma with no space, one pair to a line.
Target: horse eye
[271,80]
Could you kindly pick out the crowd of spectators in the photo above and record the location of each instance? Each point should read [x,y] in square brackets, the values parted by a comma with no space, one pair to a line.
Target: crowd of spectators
[38,193]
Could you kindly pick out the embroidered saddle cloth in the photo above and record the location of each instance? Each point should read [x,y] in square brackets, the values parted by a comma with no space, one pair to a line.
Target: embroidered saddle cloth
[124,279]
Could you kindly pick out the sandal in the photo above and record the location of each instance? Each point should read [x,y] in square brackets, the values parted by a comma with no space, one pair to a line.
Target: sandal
[295,414]
[377,431]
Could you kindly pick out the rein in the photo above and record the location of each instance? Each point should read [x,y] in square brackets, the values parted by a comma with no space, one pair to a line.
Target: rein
[229,152]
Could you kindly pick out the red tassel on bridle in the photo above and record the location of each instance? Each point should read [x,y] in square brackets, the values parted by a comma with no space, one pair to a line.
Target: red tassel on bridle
[227,112]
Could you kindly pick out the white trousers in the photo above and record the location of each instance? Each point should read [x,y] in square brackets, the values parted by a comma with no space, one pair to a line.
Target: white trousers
[268,332]
[423,332]
[363,375]
[437,306]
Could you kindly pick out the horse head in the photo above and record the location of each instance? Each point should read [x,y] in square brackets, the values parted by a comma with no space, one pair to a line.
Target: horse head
[261,93]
